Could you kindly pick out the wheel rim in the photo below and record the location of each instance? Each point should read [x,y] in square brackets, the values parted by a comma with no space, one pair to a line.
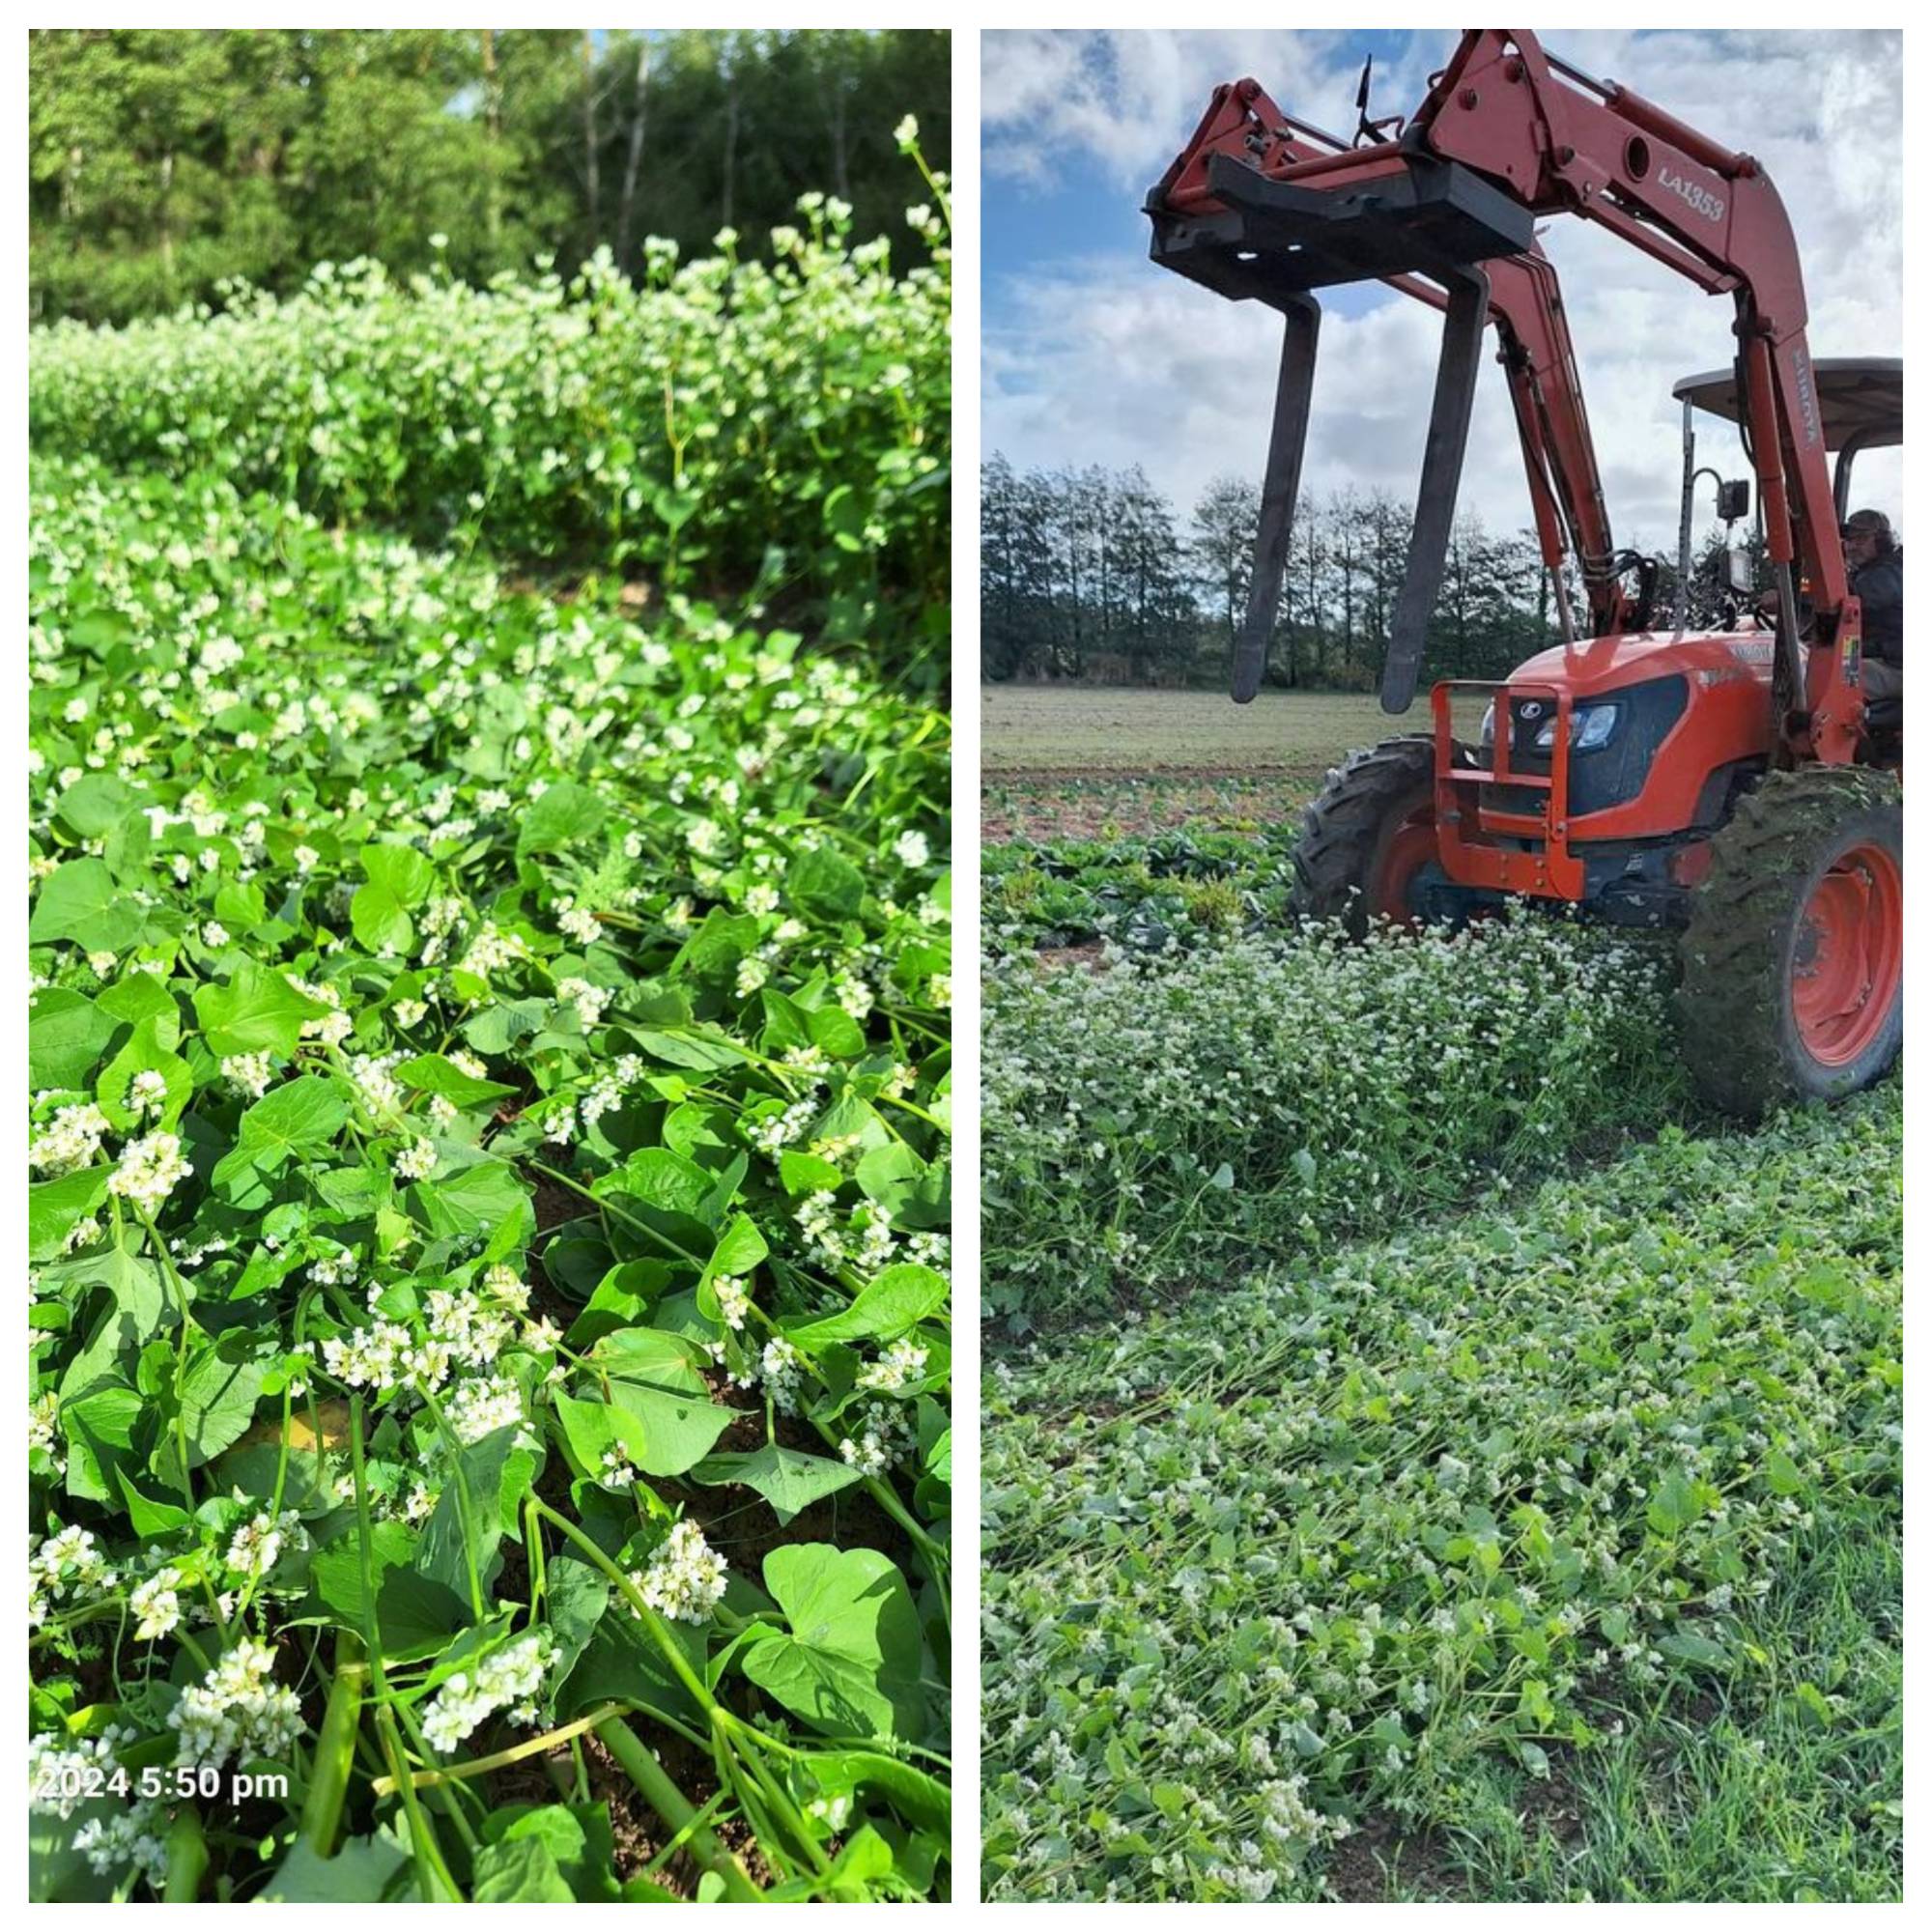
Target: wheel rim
[1407,849]
[1849,944]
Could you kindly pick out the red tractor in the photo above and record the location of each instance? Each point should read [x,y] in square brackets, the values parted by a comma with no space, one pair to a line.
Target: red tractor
[1732,784]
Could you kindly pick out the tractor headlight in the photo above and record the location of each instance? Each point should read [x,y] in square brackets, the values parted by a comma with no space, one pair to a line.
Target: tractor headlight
[1590,729]
[1489,726]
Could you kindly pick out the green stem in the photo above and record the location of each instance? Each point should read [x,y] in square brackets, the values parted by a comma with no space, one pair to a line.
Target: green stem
[529,1748]
[641,1766]
[335,1748]
[188,1322]
[628,1590]
[188,1857]
[617,1213]
[448,1797]
[432,1875]
[464,1503]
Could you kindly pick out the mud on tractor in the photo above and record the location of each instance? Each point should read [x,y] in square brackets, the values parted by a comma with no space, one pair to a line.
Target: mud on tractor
[1732,784]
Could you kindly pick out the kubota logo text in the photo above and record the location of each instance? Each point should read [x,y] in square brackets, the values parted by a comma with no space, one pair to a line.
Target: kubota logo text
[1808,395]
[1710,206]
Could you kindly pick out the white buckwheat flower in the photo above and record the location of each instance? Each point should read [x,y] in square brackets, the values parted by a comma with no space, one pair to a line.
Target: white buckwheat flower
[236,1711]
[157,1604]
[903,1362]
[147,1092]
[685,1577]
[417,1161]
[482,1406]
[510,1677]
[69,1140]
[248,1072]
[883,1434]
[779,1367]
[149,1170]
[579,921]
[258,1544]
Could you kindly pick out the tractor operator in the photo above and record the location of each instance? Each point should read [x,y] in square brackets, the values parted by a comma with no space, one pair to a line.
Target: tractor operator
[1876,567]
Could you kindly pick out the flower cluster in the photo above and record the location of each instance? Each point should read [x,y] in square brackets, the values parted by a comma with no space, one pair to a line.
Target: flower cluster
[65,1566]
[508,1679]
[685,1576]
[69,1140]
[457,1329]
[238,1710]
[879,1438]
[149,1170]
[133,1835]
[257,1546]
[156,1602]
[63,1770]
[903,1362]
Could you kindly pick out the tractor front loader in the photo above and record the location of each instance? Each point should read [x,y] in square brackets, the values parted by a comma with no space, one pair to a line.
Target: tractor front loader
[1726,784]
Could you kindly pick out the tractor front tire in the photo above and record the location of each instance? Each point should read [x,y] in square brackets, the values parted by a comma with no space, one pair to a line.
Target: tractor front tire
[1367,836]
[1792,987]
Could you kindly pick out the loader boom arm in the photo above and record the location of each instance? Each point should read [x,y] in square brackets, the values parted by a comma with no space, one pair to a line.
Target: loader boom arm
[1261,206]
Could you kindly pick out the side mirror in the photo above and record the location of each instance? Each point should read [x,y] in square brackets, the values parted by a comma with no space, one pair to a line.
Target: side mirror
[1739,575]
[1734,499]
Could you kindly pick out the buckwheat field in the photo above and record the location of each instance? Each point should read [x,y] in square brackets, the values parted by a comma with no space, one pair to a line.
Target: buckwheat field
[1424,1458]
[491,1086]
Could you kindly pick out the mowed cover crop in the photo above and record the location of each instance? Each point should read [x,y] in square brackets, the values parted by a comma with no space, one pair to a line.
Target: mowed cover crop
[490,1088]
[1424,1458]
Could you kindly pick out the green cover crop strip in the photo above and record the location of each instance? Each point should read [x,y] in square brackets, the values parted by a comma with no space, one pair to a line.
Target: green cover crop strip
[1160,1121]
[1334,1556]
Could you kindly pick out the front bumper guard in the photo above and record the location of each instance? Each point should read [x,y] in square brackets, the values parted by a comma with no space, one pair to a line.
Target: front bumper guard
[1488,847]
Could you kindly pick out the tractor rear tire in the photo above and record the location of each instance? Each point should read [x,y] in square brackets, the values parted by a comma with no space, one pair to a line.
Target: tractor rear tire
[1366,836]
[1792,987]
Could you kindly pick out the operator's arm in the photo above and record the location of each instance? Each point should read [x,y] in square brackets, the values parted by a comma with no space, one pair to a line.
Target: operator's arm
[1881,591]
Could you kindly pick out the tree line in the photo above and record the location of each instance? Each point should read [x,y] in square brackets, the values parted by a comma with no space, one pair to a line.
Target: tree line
[162,163]
[1091,576]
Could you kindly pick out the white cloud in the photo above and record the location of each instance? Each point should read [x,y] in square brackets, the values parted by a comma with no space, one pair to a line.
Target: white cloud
[1128,100]
[1109,361]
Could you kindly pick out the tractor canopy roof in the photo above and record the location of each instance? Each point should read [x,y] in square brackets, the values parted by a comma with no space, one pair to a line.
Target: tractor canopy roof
[1859,396]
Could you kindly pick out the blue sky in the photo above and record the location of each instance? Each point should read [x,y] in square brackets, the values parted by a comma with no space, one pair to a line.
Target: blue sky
[1078,208]
[1093,356]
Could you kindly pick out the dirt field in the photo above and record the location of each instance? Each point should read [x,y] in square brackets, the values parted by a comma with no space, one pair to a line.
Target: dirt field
[1065,762]
[1057,728]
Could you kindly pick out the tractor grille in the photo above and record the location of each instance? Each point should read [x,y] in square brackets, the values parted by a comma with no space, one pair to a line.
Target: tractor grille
[1611,775]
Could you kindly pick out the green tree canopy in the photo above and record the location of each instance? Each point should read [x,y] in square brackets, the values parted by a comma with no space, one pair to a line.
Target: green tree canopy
[162,163]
